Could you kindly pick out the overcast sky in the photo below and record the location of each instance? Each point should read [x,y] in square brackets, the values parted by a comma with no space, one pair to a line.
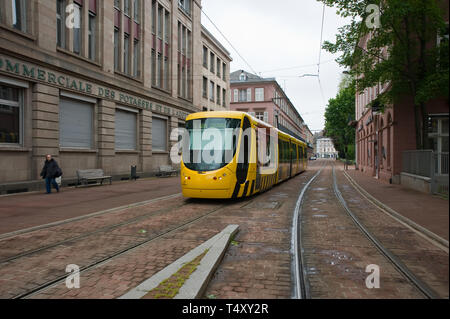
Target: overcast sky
[285,34]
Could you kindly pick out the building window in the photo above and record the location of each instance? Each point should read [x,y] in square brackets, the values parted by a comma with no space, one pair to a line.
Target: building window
[125,130]
[76,123]
[438,134]
[19,14]
[126,53]
[159,135]
[127,46]
[136,59]
[243,95]
[259,94]
[259,116]
[219,63]
[91,36]
[136,10]
[160,73]
[166,73]
[211,62]
[185,5]
[205,57]
[167,26]
[160,22]
[160,47]
[224,70]
[185,65]
[10,115]
[218,95]
[61,23]
[205,88]
[126,7]
[154,67]
[211,91]
[77,29]
[224,95]
[242,77]
[116,49]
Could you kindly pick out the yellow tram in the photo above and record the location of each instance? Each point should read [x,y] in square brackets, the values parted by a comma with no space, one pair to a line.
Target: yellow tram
[250,156]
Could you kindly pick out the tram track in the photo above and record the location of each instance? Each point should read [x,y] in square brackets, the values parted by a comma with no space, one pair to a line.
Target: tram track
[427,291]
[301,287]
[60,279]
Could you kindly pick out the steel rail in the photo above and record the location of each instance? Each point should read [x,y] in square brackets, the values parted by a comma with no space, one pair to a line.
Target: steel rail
[101,261]
[300,278]
[399,265]
[78,218]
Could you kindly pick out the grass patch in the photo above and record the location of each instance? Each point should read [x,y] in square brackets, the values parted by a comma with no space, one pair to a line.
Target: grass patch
[169,288]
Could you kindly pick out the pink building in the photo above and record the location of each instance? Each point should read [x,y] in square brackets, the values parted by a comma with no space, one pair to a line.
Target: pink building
[266,100]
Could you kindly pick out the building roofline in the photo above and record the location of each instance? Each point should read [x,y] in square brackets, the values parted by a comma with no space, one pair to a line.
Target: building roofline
[216,42]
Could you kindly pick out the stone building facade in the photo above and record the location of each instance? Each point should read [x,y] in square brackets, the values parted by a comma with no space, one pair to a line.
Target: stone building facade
[215,74]
[325,148]
[96,84]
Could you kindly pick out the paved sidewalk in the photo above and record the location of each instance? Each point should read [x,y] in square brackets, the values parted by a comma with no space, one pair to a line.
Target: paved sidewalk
[33,209]
[430,212]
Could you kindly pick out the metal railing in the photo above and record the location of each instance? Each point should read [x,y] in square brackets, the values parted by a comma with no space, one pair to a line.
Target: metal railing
[428,163]
[418,162]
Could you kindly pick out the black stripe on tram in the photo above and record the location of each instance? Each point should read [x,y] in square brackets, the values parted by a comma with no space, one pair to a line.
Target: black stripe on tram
[252,188]
[236,190]
[244,194]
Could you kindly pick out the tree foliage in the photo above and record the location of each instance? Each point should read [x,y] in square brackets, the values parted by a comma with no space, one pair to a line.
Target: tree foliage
[340,111]
[401,51]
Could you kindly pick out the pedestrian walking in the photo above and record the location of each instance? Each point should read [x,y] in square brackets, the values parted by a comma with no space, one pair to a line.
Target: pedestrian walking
[50,171]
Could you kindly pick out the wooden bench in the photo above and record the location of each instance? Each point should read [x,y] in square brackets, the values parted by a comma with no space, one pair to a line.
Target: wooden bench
[166,170]
[87,175]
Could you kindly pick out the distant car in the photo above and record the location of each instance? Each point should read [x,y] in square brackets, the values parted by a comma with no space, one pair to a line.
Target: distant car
[312,158]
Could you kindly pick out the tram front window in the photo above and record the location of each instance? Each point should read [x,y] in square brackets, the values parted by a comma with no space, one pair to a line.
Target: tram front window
[212,143]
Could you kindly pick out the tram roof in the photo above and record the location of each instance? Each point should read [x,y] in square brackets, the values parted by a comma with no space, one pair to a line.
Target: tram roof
[237,114]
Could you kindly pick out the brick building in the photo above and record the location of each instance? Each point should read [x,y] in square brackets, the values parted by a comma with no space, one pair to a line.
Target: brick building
[97,84]
[381,138]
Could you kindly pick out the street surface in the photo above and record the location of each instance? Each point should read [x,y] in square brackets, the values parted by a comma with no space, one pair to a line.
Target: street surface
[117,249]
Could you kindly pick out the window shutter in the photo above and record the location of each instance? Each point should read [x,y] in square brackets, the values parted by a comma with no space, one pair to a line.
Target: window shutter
[159,134]
[252,113]
[236,95]
[76,124]
[125,130]
[249,95]
[266,117]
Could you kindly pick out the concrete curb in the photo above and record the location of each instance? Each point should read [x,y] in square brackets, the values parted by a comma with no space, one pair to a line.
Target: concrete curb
[197,282]
[404,219]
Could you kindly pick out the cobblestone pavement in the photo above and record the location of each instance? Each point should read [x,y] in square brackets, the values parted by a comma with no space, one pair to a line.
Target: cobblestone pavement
[337,253]
[257,263]
[260,256]
[422,257]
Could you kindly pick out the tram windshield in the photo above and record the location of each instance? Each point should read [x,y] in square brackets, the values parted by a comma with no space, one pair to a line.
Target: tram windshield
[212,143]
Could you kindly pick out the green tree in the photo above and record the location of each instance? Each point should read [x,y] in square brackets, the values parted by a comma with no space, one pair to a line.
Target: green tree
[340,111]
[401,51]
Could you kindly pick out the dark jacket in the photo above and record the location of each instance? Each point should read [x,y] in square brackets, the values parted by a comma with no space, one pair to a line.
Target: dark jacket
[51,169]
